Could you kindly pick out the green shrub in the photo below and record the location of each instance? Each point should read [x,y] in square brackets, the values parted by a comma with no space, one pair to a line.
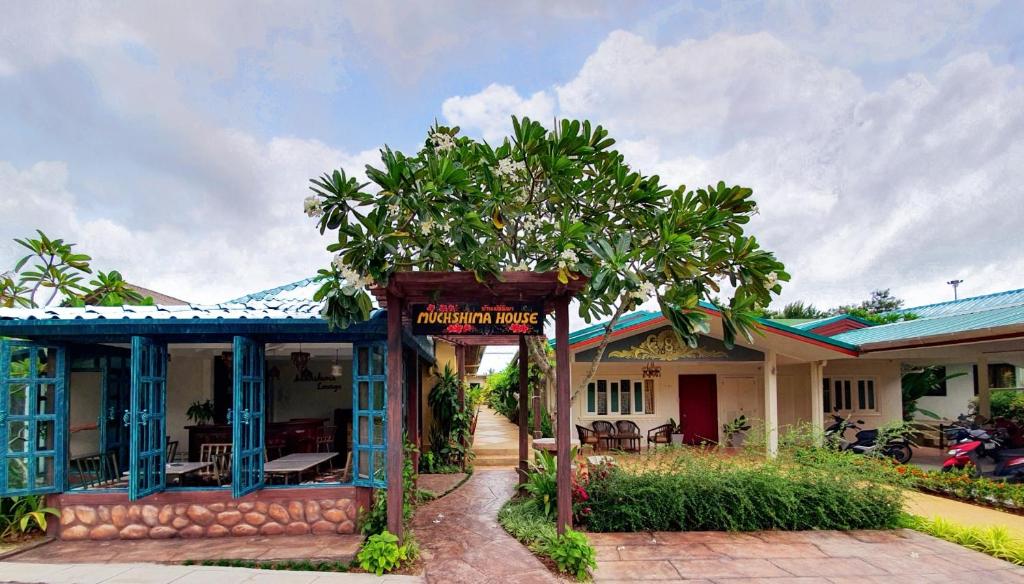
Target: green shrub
[713,493]
[19,515]
[571,552]
[542,483]
[525,522]
[381,553]
[376,519]
[992,540]
[449,431]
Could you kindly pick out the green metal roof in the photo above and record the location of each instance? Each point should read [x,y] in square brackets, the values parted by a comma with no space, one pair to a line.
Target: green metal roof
[1005,299]
[936,325]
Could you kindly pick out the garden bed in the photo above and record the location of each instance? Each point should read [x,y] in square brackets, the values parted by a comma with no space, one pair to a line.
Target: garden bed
[961,486]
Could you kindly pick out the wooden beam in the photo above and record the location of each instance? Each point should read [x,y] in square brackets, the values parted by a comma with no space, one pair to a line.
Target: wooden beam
[524,409]
[562,434]
[394,417]
[460,367]
[412,404]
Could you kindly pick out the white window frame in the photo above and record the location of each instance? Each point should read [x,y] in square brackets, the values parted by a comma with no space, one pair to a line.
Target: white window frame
[854,381]
[617,412]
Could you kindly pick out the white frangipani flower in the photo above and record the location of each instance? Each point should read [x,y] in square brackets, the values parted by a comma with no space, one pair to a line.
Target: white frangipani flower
[508,168]
[770,280]
[313,206]
[442,142]
[351,277]
[567,259]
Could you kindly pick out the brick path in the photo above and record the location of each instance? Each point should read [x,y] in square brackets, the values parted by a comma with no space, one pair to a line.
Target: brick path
[461,541]
[806,557]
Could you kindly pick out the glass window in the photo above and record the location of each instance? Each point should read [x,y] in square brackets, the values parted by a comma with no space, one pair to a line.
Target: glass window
[827,401]
[649,396]
[602,397]
[615,397]
[591,398]
[638,397]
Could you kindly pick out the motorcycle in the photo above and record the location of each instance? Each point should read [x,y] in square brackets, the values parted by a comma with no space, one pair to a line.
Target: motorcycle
[967,454]
[964,430]
[866,441]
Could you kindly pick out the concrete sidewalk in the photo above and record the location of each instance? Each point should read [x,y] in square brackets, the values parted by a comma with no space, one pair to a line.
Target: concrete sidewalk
[165,574]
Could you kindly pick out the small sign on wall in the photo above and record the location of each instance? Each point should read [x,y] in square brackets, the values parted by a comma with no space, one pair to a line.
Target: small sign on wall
[463,318]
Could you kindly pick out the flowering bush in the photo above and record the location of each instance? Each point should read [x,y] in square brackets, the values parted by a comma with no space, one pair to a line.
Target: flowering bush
[961,485]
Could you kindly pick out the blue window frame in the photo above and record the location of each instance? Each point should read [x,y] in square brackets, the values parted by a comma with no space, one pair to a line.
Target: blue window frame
[33,382]
[115,397]
[247,416]
[369,415]
[147,418]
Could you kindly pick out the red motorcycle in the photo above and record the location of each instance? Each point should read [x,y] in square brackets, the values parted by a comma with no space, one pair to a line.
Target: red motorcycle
[1009,463]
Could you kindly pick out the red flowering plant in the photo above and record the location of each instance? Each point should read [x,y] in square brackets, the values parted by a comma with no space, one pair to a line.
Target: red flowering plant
[580,498]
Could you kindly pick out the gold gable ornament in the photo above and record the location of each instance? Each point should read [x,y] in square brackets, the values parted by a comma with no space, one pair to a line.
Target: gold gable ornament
[666,346]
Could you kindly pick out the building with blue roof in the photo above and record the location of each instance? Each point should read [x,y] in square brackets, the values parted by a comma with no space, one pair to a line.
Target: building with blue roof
[251,399]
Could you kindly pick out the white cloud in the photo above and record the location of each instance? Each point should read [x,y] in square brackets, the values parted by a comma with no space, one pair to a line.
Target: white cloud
[904,187]
[490,110]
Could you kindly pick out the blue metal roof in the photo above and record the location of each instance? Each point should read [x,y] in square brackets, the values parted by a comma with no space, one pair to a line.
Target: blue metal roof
[973,304]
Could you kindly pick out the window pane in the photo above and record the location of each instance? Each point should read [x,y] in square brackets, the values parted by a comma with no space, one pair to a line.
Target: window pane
[376,360]
[44,435]
[591,398]
[364,360]
[871,394]
[615,397]
[19,364]
[362,430]
[43,475]
[848,395]
[862,399]
[624,388]
[838,384]
[17,436]
[363,457]
[364,395]
[380,465]
[378,395]
[602,397]
[378,430]
[638,397]
[17,473]
[827,395]
[18,400]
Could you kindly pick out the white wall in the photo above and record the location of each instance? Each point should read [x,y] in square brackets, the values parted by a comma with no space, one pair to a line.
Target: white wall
[189,379]
[959,393]
[888,392]
[85,411]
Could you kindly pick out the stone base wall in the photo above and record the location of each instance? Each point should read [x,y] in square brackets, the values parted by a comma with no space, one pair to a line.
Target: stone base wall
[193,514]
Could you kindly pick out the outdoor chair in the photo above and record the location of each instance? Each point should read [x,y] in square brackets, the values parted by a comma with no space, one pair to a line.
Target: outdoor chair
[605,432]
[587,437]
[659,435]
[220,456]
[96,470]
[627,432]
[172,450]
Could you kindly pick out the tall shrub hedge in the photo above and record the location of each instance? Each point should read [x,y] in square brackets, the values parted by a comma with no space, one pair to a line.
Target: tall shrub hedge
[707,493]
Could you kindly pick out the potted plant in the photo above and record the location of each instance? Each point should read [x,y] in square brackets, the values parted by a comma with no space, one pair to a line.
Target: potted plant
[736,431]
[676,431]
[200,413]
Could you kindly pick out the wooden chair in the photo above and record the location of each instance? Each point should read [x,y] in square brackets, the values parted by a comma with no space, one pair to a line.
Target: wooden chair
[325,441]
[97,470]
[628,432]
[587,437]
[172,450]
[605,432]
[220,456]
[659,435]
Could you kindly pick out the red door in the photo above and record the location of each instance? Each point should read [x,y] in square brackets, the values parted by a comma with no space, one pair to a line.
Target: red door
[698,408]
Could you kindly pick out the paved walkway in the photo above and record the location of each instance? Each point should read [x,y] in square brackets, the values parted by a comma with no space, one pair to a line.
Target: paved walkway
[805,557]
[164,574]
[931,506]
[278,547]
[461,541]
[496,440]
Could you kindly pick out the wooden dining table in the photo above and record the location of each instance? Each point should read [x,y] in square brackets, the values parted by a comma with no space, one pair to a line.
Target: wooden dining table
[297,463]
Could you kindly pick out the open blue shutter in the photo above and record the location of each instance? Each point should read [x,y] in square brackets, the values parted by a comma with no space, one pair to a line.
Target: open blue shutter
[33,403]
[147,418]
[247,417]
[369,420]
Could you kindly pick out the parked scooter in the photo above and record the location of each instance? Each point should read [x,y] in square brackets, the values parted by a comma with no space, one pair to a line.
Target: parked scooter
[967,454]
[965,430]
[866,441]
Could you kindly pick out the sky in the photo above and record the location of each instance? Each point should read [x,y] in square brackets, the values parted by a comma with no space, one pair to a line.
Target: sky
[175,141]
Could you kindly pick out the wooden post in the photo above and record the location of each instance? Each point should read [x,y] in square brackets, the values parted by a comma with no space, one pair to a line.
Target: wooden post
[562,435]
[412,405]
[394,415]
[460,366]
[984,391]
[524,405]
[771,402]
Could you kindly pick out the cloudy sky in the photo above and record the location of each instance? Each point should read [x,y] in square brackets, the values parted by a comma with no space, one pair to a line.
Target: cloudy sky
[174,141]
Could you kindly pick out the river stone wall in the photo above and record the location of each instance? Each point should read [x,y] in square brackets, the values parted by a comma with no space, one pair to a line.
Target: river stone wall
[211,514]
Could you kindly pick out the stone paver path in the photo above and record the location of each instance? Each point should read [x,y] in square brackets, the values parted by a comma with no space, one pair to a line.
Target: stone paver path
[164,574]
[496,440]
[931,506]
[461,541]
[281,547]
[806,557]
[439,484]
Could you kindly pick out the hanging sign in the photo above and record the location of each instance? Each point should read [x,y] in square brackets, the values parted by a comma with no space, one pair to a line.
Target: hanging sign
[463,318]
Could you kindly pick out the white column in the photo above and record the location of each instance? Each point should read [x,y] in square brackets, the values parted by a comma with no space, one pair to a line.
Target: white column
[817,403]
[984,393]
[771,402]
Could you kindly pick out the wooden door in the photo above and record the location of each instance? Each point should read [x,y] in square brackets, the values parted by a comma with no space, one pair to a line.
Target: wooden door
[698,408]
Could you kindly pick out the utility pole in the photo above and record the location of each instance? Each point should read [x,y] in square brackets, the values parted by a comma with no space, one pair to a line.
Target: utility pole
[955,284]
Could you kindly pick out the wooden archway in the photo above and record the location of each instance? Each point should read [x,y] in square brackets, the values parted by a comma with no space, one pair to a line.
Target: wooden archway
[405,288]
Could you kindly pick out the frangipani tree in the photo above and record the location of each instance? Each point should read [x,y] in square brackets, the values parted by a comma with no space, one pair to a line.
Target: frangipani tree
[545,200]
